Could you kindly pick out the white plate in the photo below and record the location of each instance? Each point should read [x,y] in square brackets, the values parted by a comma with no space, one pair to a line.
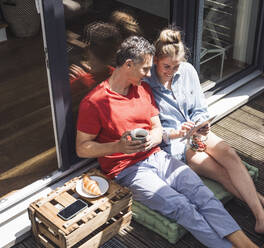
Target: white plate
[102,182]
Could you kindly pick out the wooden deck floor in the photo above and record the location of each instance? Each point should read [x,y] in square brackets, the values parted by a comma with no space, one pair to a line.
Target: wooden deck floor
[244,130]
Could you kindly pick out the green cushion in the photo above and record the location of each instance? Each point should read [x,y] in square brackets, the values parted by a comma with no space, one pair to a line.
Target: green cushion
[169,229]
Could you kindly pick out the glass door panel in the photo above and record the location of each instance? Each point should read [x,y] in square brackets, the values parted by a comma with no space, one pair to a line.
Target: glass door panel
[228,40]
[27,146]
[128,16]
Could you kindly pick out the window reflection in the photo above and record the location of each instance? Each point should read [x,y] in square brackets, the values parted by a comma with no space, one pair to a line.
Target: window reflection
[95,29]
[228,37]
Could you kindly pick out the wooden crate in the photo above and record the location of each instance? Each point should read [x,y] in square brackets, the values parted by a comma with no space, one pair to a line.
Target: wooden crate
[103,218]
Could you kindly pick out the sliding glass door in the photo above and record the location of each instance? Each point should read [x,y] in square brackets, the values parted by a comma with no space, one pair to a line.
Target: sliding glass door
[125,17]
[229,38]
[222,37]
[67,40]
[27,144]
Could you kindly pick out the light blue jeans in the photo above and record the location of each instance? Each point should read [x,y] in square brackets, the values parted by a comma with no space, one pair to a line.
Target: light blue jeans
[170,187]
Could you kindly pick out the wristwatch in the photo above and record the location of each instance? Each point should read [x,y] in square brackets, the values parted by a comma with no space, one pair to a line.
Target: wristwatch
[165,136]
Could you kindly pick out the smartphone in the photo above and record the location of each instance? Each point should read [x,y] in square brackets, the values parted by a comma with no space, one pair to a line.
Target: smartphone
[71,210]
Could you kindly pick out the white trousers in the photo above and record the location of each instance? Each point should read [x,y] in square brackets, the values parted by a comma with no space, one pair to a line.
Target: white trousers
[170,187]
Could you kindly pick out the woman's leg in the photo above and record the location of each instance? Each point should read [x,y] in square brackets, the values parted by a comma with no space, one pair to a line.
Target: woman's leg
[226,156]
[204,165]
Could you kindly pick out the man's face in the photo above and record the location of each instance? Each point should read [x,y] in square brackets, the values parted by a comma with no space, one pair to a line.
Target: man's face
[140,70]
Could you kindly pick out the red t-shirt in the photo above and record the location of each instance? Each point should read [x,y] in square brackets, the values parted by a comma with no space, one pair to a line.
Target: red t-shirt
[109,114]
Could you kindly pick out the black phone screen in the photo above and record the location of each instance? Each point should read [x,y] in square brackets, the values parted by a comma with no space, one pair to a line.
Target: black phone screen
[71,210]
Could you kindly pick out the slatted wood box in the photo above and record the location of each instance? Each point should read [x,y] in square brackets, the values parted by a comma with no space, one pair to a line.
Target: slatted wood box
[104,217]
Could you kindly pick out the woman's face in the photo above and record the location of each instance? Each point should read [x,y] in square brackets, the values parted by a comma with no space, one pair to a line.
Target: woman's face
[166,67]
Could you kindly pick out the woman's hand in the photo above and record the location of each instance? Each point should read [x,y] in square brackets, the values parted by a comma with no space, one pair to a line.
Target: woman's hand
[185,127]
[204,130]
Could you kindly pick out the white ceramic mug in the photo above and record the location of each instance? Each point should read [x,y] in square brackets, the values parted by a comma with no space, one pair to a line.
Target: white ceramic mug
[139,134]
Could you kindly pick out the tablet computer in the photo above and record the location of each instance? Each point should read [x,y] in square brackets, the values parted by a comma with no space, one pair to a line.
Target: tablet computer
[197,126]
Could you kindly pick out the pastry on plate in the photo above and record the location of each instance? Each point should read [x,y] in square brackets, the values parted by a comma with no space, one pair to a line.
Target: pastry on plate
[91,186]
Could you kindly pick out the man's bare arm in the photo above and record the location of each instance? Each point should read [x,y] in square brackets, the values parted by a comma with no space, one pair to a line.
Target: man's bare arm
[155,135]
[86,147]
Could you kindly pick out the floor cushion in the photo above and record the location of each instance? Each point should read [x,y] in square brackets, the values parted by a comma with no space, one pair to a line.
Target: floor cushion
[170,229]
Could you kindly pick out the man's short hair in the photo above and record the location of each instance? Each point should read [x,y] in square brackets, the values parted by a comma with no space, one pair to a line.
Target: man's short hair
[102,39]
[134,48]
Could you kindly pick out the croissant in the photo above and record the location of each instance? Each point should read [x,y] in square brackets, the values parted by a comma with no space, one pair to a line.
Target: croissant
[91,186]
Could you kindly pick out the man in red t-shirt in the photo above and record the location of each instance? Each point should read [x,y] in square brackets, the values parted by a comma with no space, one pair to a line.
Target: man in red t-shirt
[108,114]
[112,115]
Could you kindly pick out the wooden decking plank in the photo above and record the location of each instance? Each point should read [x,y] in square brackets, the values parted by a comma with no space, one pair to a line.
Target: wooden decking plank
[24,105]
[20,245]
[114,243]
[30,242]
[129,240]
[31,144]
[241,144]
[251,160]
[140,232]
[189,241]
[260,183]
[253,110]
[241,213]
[8,89]
[250,120]
[26,120]
[242,130]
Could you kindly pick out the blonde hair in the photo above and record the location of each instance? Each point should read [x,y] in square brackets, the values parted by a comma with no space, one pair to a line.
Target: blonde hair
[170,44]
[126,23]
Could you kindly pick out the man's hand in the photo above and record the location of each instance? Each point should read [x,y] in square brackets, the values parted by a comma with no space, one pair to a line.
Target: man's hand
[129,146]
[149,143]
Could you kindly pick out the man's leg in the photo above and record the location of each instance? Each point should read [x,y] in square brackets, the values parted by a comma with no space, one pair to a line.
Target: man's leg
[186,182]
[149,189]
[191,186]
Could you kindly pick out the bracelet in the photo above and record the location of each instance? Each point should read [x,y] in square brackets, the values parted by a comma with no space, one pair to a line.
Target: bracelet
[165,137]
[198,143]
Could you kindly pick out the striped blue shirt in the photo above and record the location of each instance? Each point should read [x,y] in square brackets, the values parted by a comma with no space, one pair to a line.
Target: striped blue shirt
[184,102]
